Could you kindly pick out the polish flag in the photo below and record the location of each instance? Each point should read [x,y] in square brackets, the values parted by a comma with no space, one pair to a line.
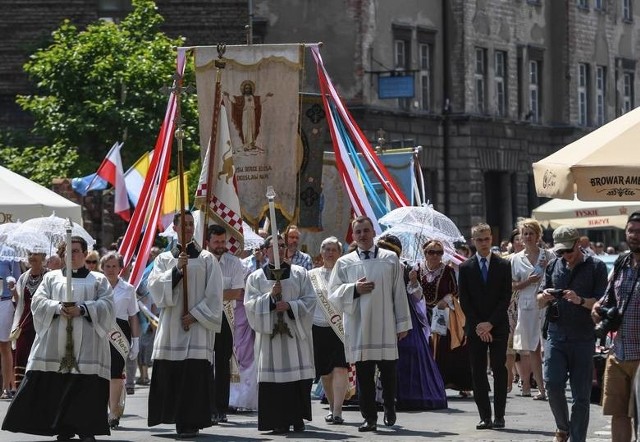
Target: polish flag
[112,172]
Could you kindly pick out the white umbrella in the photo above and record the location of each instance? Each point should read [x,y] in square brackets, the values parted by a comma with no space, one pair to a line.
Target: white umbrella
[585,214]
[55,229]
[413,238]
[26,240]
[7,228]
[423,218]
[604,165]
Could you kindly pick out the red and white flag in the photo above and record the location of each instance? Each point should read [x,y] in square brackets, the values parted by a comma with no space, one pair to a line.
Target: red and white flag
[223,205]
[111,171]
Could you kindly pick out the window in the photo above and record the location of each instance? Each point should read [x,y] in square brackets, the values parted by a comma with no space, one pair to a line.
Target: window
[599,5]
[113,10]
[583,94]
[627,13]
[501,82]
[425,75]
[583,4]
[601,95]
[627,92]
[400,55]
[534,91]
[480,80]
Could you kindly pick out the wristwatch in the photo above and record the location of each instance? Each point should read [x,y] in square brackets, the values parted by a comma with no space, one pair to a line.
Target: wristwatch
[83,310]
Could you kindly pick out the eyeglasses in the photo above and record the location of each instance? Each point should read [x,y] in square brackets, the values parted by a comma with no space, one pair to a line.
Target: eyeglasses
[561,252]
[435,252]
[91,261]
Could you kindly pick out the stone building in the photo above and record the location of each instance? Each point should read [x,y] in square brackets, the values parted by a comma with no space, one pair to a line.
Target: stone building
[497,84]
[488,86]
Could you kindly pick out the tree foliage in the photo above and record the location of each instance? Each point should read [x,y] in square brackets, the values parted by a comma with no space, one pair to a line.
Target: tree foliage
[103,84]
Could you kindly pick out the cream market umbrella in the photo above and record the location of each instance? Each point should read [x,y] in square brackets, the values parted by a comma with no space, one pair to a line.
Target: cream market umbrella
[604,165]
[585,214]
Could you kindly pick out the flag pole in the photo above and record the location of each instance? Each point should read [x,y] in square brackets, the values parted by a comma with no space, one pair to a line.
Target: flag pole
[220,64]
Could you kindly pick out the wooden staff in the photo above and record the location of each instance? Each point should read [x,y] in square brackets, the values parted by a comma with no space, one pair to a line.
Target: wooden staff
[220,64]
[179,134]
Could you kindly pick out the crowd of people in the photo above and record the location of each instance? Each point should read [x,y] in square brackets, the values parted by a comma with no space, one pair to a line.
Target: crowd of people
[211,333]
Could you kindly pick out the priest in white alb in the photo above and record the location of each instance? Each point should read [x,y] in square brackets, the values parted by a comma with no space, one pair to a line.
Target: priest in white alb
[285,360]
[67,399]
[182,380]
[367,286]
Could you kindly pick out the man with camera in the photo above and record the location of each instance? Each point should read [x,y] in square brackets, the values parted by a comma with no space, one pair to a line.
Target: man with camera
[573,282]
[619,311]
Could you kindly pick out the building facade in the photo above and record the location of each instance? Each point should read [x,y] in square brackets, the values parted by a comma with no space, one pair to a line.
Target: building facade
[497,85]
[486,87]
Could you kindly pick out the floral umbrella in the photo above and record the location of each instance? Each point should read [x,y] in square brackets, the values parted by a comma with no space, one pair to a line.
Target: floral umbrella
[54,229]
[414,237]
[26,240]
[423,217]
[6,229]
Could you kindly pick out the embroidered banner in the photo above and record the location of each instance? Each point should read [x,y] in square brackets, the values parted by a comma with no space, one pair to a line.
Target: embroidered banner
[260,85]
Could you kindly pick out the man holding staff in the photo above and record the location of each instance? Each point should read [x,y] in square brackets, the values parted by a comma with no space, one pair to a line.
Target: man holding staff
[180,390]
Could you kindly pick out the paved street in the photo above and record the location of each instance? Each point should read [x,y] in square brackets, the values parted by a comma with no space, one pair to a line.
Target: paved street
[527,420]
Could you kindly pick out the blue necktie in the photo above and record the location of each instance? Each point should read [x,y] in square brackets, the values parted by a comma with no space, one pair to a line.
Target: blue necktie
[484,269]
[366,254]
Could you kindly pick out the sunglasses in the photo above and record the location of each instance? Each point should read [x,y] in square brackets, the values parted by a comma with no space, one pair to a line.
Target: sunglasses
[435,252]
[91,261]
[561,252]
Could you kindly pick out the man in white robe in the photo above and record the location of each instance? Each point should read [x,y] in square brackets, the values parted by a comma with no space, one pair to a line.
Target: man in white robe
[367,286]
[233,285]
[181,384]
[53,400]
[285,360]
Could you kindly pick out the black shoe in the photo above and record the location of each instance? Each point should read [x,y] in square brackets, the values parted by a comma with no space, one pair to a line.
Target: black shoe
[280,430]
[328,418]
[114,423]
[65,436]
[188,433]
[498,422]
[389,416]
[367,426]
[131,390]
[337,420]
[299,427]
[222,418]
[86,438]
[484,424]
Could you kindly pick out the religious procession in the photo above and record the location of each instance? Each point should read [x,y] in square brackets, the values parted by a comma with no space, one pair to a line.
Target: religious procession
[298,275]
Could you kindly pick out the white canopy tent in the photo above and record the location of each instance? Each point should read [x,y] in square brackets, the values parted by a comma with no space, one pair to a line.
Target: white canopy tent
[585,214]
[22,199]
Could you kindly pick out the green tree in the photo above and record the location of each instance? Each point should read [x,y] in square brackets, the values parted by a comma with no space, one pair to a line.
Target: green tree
[103,84]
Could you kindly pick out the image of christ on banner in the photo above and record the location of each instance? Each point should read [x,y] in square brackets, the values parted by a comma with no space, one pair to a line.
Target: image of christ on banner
[259,88]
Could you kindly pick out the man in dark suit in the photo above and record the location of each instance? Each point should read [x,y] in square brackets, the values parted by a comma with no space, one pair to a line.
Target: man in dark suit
[485,292]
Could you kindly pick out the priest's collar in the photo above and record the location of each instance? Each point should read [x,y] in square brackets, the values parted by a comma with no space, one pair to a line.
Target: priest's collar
[82,272]
[193,251]
[268,271]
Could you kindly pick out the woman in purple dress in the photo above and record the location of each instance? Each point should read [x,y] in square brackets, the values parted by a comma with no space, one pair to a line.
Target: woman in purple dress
[420,385]
[438,284]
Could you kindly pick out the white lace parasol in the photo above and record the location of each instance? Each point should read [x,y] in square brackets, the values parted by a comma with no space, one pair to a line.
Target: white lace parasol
[54,229]
[6,229]
[26,240]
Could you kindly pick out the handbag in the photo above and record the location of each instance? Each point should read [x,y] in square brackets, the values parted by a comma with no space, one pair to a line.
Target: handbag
[15,333]
[440,321]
